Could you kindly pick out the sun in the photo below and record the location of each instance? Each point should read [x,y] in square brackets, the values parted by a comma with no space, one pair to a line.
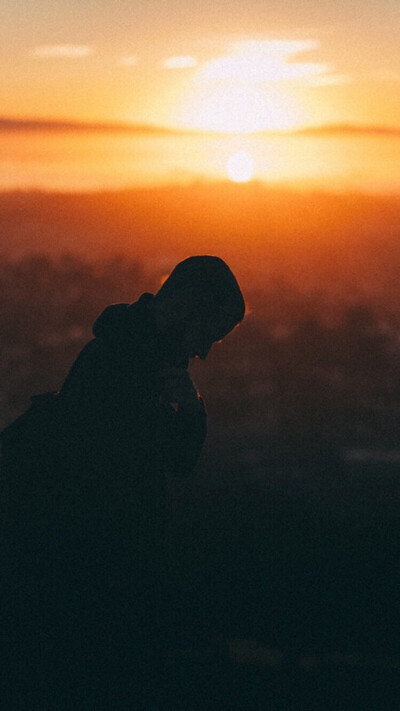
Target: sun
[240,167]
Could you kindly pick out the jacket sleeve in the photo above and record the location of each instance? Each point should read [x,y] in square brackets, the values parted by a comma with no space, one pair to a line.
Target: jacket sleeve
[184,439]
[111,401]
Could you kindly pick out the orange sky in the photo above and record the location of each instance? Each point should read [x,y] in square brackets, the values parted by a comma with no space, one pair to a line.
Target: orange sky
[232,67]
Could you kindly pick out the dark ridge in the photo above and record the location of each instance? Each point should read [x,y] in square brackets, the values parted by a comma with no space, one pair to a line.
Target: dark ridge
[351,129]
[10,124]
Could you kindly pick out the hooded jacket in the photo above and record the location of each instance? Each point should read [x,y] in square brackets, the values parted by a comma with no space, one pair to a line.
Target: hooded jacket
[123,433]
[83,553]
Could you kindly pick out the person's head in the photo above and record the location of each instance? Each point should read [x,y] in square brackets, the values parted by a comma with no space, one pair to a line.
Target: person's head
[199,303]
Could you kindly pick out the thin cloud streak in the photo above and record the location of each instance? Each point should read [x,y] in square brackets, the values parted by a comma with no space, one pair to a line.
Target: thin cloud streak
[66,126]
[72,51]
[129,61]
[327,80]
[49,125]
[284,48]
[179,62]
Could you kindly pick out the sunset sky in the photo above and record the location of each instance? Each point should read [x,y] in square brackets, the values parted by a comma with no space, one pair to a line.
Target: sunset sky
[230,66]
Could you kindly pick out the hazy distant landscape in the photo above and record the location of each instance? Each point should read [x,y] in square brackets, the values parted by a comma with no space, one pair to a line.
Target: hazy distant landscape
[342,244]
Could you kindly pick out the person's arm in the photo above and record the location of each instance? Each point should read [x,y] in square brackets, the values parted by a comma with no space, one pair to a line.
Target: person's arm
[186,422]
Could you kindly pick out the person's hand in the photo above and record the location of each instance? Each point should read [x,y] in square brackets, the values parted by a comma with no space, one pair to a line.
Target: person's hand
[176,387]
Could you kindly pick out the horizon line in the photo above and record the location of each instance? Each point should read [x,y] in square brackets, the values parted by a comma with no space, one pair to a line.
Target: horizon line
[8,124]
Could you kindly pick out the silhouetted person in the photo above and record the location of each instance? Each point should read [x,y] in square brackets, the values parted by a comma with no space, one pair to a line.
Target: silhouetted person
[128,415]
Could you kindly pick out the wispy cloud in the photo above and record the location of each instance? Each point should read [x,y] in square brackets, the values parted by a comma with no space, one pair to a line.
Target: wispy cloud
[328,80]
[283,48]
[184,61]
[73,51]
[265,61]
[8,125]
[350,129]
[70,126]
[128,61]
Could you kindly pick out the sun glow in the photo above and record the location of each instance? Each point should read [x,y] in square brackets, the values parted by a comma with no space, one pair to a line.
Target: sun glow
[238,107]
[252,89]
[240,167]
[241,108]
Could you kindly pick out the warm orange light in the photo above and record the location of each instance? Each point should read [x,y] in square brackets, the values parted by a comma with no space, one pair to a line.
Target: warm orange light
[240,167]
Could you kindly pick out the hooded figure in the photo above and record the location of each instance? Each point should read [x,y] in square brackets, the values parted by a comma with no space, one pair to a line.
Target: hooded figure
[127,416]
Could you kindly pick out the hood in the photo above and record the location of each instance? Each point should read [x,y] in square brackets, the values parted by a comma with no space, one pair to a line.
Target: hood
[119,321]
[132,326]
[111,322]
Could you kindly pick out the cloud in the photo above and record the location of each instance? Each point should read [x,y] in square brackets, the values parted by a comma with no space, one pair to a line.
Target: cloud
[284,48]
[179,62]
[264,61]
[8,125]
[328,80]
[129,61]
[72,51]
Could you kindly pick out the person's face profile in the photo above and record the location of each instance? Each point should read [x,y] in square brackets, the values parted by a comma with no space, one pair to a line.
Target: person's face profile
[192,332]
[200,335]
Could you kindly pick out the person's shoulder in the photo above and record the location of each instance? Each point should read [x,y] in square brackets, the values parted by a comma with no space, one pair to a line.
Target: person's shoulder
[90,357]
[42,410]
[87,374]
[111,321]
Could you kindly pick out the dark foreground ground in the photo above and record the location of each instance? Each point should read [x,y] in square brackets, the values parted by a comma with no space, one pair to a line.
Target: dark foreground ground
[245,675]
[287,592]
